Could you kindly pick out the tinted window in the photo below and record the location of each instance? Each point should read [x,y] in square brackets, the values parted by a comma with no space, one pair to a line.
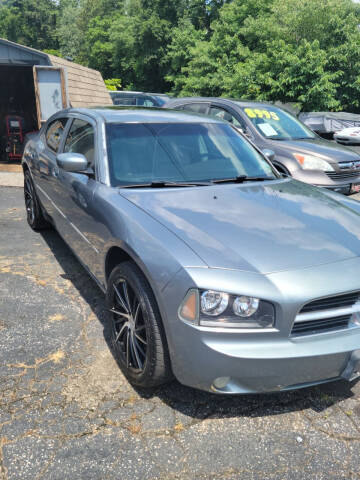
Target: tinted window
[143,153]
[272,122]
[80,139]
[196,107]
[160,99]
[54,133]
[145,101]
[125,101]
[219,112]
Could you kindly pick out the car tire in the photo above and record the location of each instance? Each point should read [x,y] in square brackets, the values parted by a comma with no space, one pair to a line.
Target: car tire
[34,215]
[137,334]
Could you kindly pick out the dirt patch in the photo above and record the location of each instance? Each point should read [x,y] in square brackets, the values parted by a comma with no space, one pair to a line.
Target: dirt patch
[57,317]
[102,379]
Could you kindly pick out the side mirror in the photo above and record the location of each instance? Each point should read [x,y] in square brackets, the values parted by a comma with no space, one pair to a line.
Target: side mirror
[72,162]
[269,154]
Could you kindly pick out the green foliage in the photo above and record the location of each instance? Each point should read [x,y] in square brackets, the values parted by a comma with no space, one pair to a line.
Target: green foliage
[140,43]
[67,32]
[304,51]
[289,50]
[184,38]
[97,49]
[30,22]
[113,84]
[52,51]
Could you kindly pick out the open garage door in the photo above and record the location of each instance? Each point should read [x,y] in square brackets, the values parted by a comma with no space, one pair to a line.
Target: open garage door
[50,91]
[29,95]
[18,112]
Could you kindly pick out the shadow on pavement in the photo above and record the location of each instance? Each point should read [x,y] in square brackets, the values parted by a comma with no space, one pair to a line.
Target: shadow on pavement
[189,401]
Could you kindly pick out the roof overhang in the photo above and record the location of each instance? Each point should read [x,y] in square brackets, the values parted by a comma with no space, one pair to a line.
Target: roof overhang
[20,55]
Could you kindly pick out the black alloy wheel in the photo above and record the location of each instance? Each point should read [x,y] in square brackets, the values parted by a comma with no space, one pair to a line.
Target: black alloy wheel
[129,326]
[137,334]
[29,199]
[34,215]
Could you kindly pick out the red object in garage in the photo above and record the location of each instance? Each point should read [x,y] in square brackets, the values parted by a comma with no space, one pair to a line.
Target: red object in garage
[14,140]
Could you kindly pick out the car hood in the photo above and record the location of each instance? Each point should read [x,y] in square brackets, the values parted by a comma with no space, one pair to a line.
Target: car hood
[261,227]
[330,151]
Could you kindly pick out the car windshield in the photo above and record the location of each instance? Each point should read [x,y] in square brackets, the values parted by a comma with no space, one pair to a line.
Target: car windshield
[272,122]
[180,152]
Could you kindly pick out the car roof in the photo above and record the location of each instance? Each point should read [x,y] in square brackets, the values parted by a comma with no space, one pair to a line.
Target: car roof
[229,101]
[143,115]
[129,93]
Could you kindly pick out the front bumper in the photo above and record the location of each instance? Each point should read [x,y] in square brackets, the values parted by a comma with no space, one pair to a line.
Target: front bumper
[221,364]
[340,183]
[229,361]
[345,189]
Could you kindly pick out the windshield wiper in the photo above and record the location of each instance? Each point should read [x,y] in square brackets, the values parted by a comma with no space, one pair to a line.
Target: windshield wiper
[242,178]
[160,184]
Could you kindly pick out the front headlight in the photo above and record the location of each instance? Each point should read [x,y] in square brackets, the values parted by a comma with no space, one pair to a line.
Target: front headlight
[211,308]
[309,162]
[214,303]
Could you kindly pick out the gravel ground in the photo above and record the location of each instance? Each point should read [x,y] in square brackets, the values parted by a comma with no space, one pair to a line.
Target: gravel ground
[67,412]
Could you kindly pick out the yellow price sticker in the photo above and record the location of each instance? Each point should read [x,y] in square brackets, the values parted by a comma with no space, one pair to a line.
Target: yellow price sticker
[257,113]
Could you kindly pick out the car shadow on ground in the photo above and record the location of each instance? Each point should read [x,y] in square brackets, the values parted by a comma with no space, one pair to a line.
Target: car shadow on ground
[191,402]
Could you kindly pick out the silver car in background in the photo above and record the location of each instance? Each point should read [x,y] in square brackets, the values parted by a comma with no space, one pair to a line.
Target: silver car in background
[216,270]
[348,136]
[299,152]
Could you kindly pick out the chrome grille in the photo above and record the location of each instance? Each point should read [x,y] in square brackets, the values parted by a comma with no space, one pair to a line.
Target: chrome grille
[326,314]
[343,175]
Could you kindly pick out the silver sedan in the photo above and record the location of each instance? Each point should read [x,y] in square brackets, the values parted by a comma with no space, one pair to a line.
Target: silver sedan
[217,270]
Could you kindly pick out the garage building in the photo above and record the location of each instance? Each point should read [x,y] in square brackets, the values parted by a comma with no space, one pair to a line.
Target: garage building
[34,85]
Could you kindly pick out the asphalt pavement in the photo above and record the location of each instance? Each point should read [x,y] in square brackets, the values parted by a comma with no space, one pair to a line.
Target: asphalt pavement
[67,412]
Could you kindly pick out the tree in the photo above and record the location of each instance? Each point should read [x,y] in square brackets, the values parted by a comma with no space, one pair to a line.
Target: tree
[113,84]
[286,73]
[211,61]
[97,49]
[30,22]
[290,50]
[140,50]
[184,38]
[68,33]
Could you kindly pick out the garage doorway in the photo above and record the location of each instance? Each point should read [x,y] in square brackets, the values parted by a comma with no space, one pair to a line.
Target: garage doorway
[17,97]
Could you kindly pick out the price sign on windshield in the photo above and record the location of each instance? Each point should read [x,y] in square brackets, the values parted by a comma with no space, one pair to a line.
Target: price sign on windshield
[257,113]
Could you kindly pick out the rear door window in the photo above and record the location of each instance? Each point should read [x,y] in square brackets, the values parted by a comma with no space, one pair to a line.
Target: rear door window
[196,107]
[145,101]
[120,100]
[54,133]
[224,114]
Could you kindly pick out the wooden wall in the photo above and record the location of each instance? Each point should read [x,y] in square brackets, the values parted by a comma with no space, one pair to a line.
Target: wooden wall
[86,87]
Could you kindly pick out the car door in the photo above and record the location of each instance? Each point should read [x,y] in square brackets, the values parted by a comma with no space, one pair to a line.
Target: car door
[77,191]
[45,168]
